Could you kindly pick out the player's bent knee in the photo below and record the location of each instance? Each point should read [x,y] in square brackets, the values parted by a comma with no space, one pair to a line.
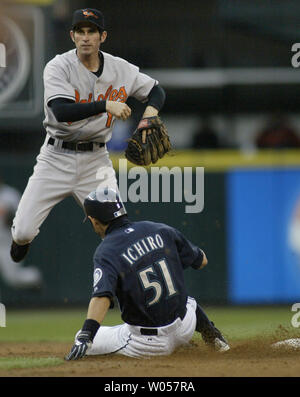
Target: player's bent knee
[22,237]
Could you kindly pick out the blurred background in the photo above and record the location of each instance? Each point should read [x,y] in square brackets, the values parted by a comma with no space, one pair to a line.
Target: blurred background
[232,107]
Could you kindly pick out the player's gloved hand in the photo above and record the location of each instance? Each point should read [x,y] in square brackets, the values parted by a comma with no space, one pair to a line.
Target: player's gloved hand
[79,349]
[149,142]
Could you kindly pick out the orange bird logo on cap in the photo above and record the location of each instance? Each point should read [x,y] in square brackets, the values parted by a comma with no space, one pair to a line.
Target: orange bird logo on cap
[89,14]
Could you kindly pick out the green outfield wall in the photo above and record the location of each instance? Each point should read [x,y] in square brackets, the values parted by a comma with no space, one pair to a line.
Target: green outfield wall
[64,248]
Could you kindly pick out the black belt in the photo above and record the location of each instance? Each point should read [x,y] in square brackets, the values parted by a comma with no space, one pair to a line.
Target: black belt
[154,331]
[149,331]
[77,146]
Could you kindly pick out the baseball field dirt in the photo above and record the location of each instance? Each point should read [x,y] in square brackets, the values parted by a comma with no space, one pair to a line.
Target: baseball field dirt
[34,343]
[253,358]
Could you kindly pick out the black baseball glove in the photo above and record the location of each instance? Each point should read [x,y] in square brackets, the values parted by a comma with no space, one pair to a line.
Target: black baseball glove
[82,343]
[157,142]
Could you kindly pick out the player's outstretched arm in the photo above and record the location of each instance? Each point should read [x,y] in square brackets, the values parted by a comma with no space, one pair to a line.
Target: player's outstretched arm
[98,308]
[96,312]
[150,111]
[65,110]
[150,141]
[189,253]
[156,100]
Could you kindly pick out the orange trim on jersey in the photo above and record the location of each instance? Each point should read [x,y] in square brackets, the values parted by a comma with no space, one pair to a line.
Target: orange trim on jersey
[111,95]
[102,97]
[115,95]
[122,94]
[78,100]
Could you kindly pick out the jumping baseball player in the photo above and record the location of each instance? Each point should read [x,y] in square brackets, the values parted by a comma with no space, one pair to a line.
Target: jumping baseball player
[85,91]
[141,264]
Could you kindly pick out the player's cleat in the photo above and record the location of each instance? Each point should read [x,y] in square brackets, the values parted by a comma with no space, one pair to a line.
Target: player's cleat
[221,345]
[213,338]
[18,252]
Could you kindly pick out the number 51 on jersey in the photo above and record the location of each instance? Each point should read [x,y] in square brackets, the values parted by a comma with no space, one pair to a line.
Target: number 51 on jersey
[163,267]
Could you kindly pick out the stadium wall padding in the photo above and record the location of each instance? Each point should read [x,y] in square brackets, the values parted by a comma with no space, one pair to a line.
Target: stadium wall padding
[263,210]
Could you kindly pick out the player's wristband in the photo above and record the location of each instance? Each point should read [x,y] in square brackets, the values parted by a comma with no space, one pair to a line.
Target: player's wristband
[91,326]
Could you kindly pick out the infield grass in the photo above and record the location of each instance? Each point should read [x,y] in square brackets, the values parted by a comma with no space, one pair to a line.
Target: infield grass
[61,325]
[7,363]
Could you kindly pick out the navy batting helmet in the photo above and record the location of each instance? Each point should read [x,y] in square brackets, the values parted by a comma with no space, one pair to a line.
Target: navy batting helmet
[104,204]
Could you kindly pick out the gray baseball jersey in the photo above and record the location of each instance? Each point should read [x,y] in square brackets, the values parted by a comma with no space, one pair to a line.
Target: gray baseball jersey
[66,77]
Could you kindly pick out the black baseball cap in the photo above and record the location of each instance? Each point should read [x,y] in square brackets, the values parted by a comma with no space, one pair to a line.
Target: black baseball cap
[88,14]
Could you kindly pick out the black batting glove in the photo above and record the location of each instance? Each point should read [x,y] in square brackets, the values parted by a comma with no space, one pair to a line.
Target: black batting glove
[82,343]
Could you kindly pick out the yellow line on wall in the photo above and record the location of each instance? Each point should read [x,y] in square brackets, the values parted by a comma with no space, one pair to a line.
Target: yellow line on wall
[222,160]
[35,2]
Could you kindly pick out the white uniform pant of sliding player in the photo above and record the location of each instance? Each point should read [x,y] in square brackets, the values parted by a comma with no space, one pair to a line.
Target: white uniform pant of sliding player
[127,339]
[59,173]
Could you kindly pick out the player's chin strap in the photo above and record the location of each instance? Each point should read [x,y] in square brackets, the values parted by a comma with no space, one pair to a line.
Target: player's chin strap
[121,212]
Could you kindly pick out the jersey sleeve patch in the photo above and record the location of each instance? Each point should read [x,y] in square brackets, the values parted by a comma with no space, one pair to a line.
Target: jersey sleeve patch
[97,276]
[104,280]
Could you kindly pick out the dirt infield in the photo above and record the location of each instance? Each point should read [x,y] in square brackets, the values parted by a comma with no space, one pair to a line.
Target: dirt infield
[254,358]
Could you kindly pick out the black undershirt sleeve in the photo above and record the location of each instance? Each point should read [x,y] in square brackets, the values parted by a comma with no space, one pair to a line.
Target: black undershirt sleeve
[156,97]
[66,110]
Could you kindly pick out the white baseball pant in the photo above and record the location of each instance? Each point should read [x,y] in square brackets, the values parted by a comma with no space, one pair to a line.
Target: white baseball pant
[127,339]
[59,173]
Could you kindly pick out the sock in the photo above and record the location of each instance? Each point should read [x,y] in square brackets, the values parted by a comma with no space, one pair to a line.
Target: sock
[203,323]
